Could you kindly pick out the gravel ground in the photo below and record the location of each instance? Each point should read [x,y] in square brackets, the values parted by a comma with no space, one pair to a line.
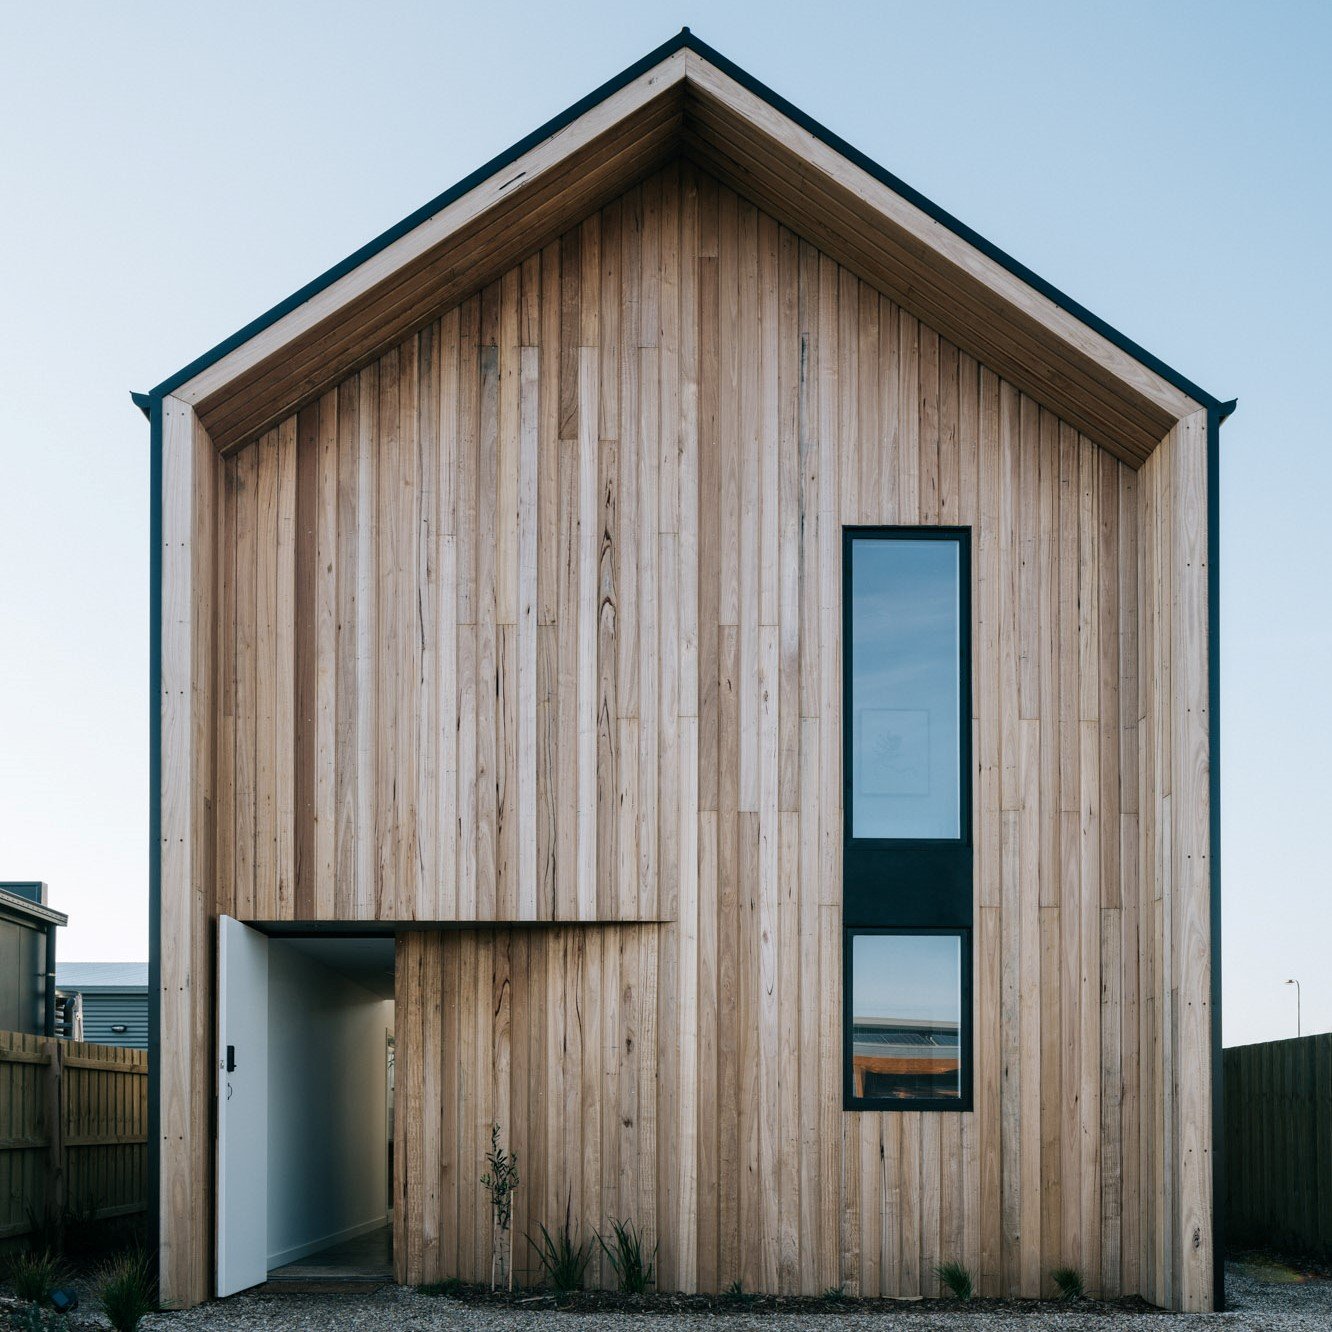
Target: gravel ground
[1256,1303]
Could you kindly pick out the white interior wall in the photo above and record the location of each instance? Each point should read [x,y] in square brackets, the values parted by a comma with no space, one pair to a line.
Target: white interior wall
[327,1117]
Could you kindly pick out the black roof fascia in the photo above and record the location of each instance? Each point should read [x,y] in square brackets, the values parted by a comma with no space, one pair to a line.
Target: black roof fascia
[413,220]
[683,40]
[956,226]
[27,912]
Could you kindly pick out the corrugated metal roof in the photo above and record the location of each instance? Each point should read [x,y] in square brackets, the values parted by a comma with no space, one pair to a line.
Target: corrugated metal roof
[102,976]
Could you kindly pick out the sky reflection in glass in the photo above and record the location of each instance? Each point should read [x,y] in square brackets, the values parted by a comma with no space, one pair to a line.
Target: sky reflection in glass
[906,1006]
[908,978]
[905,775]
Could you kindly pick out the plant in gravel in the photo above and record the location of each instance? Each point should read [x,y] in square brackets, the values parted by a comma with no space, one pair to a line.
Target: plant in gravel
[127,1288]
[634,1264]
[1068,1281]
[834,1294]
[34,1275]
[563,1257]
[499,1181]
[956,1280]
[449,1286]
[737,1294]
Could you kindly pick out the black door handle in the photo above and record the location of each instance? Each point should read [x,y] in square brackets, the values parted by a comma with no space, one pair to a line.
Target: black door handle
[231,1058]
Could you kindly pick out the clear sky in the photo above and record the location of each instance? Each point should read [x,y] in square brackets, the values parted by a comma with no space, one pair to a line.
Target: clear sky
[170,171]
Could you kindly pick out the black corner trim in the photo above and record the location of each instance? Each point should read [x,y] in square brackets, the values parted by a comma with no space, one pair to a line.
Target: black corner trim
[1215,416]
[155,827]
[686,40]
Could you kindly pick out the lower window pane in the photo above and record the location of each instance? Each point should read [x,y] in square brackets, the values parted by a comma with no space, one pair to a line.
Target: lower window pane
[906,1017]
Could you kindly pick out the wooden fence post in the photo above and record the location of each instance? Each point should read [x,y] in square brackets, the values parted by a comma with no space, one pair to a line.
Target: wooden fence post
[55,1139]
[72,1134]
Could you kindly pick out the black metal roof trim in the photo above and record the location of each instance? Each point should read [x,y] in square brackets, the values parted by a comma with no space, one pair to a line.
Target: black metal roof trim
[955,225]
[29,912]
[154,1162]
[1215,416]
[413,220]
[685,40]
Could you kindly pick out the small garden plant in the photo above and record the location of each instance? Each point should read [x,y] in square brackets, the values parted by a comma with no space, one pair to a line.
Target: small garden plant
[633,1262]
[563,1257]
[35,1275]
[499,1181]
[1068,1281]
[737,1294]
[127,1289]
[956,1280]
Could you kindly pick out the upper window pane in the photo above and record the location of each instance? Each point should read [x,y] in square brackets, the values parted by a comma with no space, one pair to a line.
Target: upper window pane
[906,771]
[906,1017]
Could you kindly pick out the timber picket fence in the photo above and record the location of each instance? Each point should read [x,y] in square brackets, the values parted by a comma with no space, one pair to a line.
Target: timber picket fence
[1278,1120]
[73,1131]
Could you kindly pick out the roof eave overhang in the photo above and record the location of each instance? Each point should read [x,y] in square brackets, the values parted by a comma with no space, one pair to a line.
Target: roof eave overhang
[32,914]
[685,98]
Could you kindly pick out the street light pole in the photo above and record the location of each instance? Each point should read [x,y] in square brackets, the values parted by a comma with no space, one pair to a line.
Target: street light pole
[1296,984]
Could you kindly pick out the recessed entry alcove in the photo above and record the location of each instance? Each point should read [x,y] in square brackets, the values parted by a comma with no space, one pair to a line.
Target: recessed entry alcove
[305,1107]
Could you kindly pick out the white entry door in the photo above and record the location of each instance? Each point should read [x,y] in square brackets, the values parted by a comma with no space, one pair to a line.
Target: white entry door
[242,1107]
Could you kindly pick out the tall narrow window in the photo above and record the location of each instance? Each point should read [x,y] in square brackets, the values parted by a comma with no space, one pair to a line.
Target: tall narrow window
[907,856]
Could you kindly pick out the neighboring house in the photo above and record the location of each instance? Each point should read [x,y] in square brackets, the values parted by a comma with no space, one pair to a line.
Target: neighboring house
[113,1000]
[27,959]
[749,645]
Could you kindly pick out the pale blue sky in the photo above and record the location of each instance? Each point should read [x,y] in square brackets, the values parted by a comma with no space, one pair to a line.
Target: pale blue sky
[170,171]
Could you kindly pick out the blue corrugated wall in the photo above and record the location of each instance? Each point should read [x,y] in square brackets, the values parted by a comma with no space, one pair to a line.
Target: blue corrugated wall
[103,1011]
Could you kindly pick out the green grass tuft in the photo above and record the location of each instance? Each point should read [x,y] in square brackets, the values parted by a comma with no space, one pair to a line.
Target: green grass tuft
[35,1275]
[956,1280]
[1068,1281]
[563,1258]
[127,1288]
[634,1263]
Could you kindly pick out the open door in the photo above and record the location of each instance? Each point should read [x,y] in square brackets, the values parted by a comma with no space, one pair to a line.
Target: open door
[242,1107]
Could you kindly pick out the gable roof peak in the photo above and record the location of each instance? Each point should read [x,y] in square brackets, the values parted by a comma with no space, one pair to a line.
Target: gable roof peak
[686,98]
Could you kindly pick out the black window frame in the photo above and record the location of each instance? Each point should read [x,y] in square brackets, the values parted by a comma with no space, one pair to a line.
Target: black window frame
[909,885]
[963,1101]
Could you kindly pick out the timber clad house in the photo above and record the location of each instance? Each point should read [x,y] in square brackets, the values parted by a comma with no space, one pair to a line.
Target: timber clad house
[684,651]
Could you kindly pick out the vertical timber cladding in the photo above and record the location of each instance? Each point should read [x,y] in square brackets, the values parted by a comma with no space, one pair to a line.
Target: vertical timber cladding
[537,618]
[187,712]
[1175,953]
